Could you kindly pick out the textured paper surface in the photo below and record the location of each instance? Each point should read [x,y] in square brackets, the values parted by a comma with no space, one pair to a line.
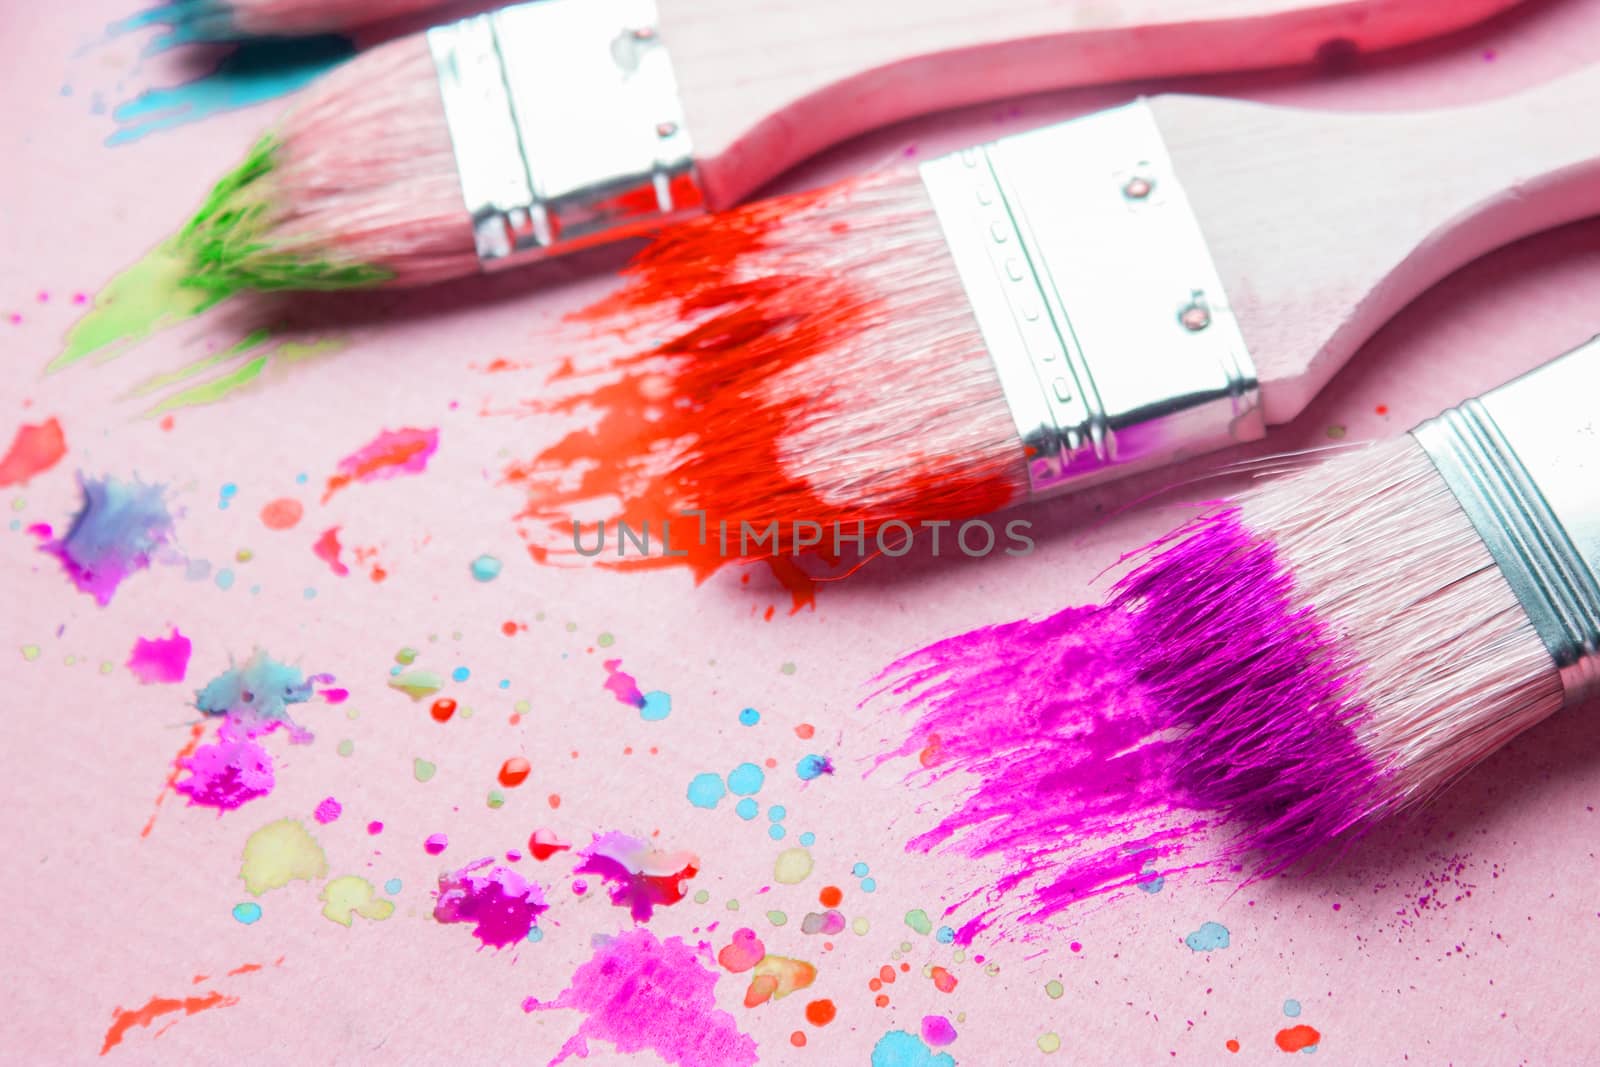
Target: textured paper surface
[1459,936]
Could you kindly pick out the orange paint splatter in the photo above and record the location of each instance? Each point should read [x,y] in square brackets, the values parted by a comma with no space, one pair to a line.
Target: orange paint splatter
[874,984]
[442,709]
[830,896]
[244,968]
[34,450]
[391,453]
[820,1012]
[508,628]
[555,800]
[886,974]
[1297,1037]
[1231,1045]
[797,1039]
[760,990]
[195,733]
[881,1000]
[282,514]
[943,980]
[123,1020]
[931,752]
[805,731]
[514,771]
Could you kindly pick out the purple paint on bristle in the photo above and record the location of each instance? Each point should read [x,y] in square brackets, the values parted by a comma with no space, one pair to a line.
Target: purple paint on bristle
[118,529]
[640,994]
[1266,704]
[502,904]
[1070,785]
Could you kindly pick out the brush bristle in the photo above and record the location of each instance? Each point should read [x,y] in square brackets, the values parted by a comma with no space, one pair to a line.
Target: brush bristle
[225,20]
[357,187]
[1336,647]
[811,358]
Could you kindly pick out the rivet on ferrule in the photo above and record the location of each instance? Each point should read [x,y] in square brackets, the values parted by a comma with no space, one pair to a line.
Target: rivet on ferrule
[567,126]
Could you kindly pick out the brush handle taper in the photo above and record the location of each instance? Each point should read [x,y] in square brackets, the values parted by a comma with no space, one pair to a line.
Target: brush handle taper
[767,83]
[1323,226]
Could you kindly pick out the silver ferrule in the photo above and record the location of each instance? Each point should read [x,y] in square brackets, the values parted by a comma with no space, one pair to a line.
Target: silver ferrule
[1524,462]
[566,124]
[1097,298]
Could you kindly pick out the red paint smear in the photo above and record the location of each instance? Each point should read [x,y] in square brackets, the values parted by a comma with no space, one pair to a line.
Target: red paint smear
[327,549]
[766,345]
[124,1020]
[1297,1037]
[282,514]
[196,732]
[542,844]
[34,449]
[514,771]
[622,685]
[391,453]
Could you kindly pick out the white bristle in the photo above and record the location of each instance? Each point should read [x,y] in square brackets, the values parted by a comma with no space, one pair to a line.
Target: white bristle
[1448,665]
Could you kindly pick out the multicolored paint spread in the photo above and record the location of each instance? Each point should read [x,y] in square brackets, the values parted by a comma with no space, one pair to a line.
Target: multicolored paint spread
[260,692]
[230,772]
[118,531]
[503,907]
[639,994]
[34,449]
[389,455]
[640,877]
[160,660]
[898,1048]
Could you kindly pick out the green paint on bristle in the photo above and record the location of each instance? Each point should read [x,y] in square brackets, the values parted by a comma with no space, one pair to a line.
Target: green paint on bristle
[229,246]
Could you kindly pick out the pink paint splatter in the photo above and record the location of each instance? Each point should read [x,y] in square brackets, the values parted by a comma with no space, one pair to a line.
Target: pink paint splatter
[640,877]
[622,685]
[335,695]
[118,529]
[156,660]
[228,773]
[743,952]
[327,549]
[937,1030]
[640,994]
[503,905]
[435,844]
[34,450]
[374,827]
[391,453]
[824,922]
[327,811]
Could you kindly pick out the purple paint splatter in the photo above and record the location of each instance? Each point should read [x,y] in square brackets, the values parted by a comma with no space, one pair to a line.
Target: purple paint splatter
[327,811]
[502,904]
[622,685]
[118,529]
[639,994]
[230,772]
[156,660]
[639,877]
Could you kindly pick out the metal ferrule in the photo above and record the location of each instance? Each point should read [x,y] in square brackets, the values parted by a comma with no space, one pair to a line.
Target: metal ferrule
[1097,298]
[1524,462]
[566,124]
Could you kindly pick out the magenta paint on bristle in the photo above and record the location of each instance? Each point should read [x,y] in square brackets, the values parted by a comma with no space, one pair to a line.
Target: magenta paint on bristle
[1267,705]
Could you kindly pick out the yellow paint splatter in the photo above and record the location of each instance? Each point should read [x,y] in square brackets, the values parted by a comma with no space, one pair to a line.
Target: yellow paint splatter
[345,898]
[793,866]
[1050,1042]
[279,853]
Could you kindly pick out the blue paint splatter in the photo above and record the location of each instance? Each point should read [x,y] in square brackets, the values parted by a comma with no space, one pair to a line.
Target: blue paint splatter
[118,528]
[776,832]
[656,706]
[486,568]
[746,780]
[860,870]
[747,809]
[944,935]
[262,687]
[706,790]
[749,717]
[777,813]
[813,766]
[225,496]
[392,886]
[248,913]
[460,674]
[869,885]
[1150,881]
[224,578]
[1209,938]
[808,839]
[535,935]
[246,75]
[1291,1008]
[899,1048]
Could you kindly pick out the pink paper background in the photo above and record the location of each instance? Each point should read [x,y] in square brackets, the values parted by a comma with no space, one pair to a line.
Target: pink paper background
[99,918]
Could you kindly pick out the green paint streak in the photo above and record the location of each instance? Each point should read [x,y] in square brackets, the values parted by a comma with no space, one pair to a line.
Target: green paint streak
[157,382]
[222,386]
[212,391]
[148,296]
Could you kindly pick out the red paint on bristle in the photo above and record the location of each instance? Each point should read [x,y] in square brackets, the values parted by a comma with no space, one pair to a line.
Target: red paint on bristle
[808,358]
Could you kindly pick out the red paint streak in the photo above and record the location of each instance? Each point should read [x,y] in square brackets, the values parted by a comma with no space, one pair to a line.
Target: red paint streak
[245,968]
[123,1020]
[195,733]
[773,393]
[514,771]
[1297,1037]
[282,513]
[34,449]
[391,453]
[327,549]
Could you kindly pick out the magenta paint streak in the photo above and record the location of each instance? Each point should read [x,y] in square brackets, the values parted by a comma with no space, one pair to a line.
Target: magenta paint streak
[622,685]
[230,772]
[156,660]
[640,994]
[335,695]
[327,549]
[1254,682]
[118,529]
[389,455]
[327,811]
[638,877]
[502,905]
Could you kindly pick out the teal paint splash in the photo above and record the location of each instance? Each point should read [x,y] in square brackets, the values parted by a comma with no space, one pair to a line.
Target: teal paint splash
[248,74]
[259,689]
[1209,938]
[119,528]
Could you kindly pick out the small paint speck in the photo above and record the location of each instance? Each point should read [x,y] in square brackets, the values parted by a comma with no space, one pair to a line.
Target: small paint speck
[776,832]
[422,769]
[808,839]
[1291,1008]
[1336,432]
[460,674]
[860,870]
[944,935]
[777,813]
[706,790]
[869,885]
[747,809]
[486,568]
[1053,989]
[793,866]
[375,827]
[918,920]
[656,706]
[605,640]
[496,799]
[787,668]
[1049,1042]
[248,912]
[435,844]
[777,918]
[224,578]
[392,886]
[749,717]
[514,771]
[346,747]
[1209,938]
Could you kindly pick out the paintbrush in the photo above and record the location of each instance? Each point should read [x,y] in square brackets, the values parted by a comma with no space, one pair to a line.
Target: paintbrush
[228,20]
[1348,640]
[548,127]
[901,352]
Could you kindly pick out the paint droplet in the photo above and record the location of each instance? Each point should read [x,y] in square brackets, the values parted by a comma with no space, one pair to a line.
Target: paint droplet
[392,886]
[943,980]
[749,717]
[486,568]
[282,514]
[1336,432]
[787,668]
[442,709]
[30,652]
[327,811]
[374,827]
[797,1039]
[1231,1045]
[1291,1008]
[1049,1043]
[248,912]
[514,771]
[747,809]
[1210,937]
[418,685]
[937,1030]
[746,780]
[460,674]
[656,706]
[422,769]
[821,1012]
[495,799]
[706,790]
[813,766]
[346,747]
[918,920]
[793,866]
[805,731]
[830,896]
[1053,989]
[777,918]
[435,844]
[1297,1038]
[406,657]
[860,925]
